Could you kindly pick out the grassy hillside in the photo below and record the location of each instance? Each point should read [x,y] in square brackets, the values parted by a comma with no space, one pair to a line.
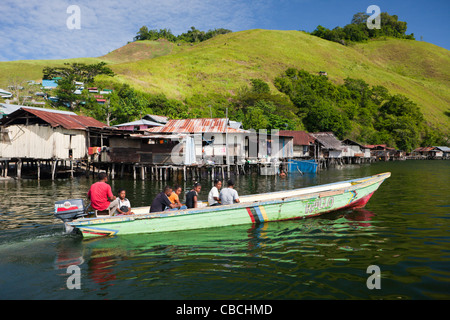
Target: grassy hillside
[139,50]
[419,70]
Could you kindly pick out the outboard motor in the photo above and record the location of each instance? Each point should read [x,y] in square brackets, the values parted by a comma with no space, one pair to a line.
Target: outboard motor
[68,210]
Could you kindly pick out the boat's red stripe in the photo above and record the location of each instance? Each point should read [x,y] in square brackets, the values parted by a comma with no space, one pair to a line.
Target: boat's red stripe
[251,215]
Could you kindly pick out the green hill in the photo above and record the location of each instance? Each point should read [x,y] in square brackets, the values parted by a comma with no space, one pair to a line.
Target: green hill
[139,50]
[418,70]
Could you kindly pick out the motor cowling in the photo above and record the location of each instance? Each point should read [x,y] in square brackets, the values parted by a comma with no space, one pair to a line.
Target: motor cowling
[68,210]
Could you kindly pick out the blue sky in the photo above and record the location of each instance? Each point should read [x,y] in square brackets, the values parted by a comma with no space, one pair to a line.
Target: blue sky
[37,29]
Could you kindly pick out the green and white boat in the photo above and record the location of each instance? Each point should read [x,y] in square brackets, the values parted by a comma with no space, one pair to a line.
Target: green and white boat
[274,206]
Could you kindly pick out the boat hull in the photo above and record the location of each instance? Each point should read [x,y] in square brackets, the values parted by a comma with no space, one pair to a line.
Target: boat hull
[275,206]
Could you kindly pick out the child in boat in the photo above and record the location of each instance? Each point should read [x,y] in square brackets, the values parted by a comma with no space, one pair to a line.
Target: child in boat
[213,196]
[175,198]
[124,207]
[162,202]
[192,196]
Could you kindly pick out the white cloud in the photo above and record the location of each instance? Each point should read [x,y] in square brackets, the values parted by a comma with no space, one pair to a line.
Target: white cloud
[36,29]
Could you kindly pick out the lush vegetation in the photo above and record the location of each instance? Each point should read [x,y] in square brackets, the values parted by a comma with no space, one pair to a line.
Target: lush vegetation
[192,36]
[369,114]
[357,30]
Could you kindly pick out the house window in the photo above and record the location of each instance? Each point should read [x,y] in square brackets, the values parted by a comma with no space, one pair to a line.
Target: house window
[4,135]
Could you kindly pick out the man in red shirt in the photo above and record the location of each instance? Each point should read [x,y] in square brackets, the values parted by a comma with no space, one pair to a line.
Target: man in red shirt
[101,195]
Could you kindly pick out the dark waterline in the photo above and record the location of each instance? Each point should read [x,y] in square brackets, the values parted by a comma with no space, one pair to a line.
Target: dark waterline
[404,230]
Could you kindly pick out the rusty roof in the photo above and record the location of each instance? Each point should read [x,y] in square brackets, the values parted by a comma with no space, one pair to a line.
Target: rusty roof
[55,118]
[424,149]
[301,138]
[328,140]
[210,125]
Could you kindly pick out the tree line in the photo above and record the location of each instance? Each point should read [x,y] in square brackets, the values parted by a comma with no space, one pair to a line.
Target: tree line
[357,30]
[191,36]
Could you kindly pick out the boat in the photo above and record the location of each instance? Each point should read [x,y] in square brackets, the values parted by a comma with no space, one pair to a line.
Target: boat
[252,209]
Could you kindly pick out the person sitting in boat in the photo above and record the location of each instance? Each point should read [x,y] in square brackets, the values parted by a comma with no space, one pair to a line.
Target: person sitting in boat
[192,196]
[101,195]
[124,206]
[161,201]
[229,195]
[175,198]
[213,196]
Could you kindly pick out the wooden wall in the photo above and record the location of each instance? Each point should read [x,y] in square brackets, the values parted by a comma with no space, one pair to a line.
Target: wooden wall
[42,142]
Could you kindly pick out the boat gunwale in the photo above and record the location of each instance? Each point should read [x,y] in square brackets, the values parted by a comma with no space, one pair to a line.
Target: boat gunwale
[363,182]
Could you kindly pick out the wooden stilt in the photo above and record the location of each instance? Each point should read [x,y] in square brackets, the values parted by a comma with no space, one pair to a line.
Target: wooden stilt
[5,173]
[54,164]
[19,169]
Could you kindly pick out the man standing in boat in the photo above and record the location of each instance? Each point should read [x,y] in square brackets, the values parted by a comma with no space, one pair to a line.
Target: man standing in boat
[101,196]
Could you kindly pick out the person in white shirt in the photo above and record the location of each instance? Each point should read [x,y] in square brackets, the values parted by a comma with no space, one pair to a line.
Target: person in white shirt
[124,204]
[229,195]
[213,196]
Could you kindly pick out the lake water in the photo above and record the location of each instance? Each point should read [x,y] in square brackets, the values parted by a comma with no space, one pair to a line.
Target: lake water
[404,230]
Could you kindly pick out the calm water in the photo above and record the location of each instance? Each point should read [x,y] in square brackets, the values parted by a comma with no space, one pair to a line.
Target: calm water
[404,230]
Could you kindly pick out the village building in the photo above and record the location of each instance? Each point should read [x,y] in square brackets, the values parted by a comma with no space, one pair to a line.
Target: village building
[382,152]
[431,153]
[354,152]
[329,147]
[445,152]
[193,144]
[50,84]
[5,94]
[147,122]
[38,136]
[303,143]
[214,139]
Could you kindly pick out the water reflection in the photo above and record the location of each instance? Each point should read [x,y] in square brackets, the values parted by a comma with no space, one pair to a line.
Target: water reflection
[213,254]
[403,229]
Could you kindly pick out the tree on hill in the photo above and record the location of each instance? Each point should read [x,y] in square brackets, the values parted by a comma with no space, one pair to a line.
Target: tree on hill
[68,75]
[357,30]
[80,71]
[191,36]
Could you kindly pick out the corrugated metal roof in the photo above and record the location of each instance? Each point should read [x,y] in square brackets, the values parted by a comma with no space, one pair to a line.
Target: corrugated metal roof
[348,142]
[301,138]
[424,149]
[155,118]
[373,146]
[67,120]
[445,149]
[10,108]
[210,125]
[141,122]
[328,140]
